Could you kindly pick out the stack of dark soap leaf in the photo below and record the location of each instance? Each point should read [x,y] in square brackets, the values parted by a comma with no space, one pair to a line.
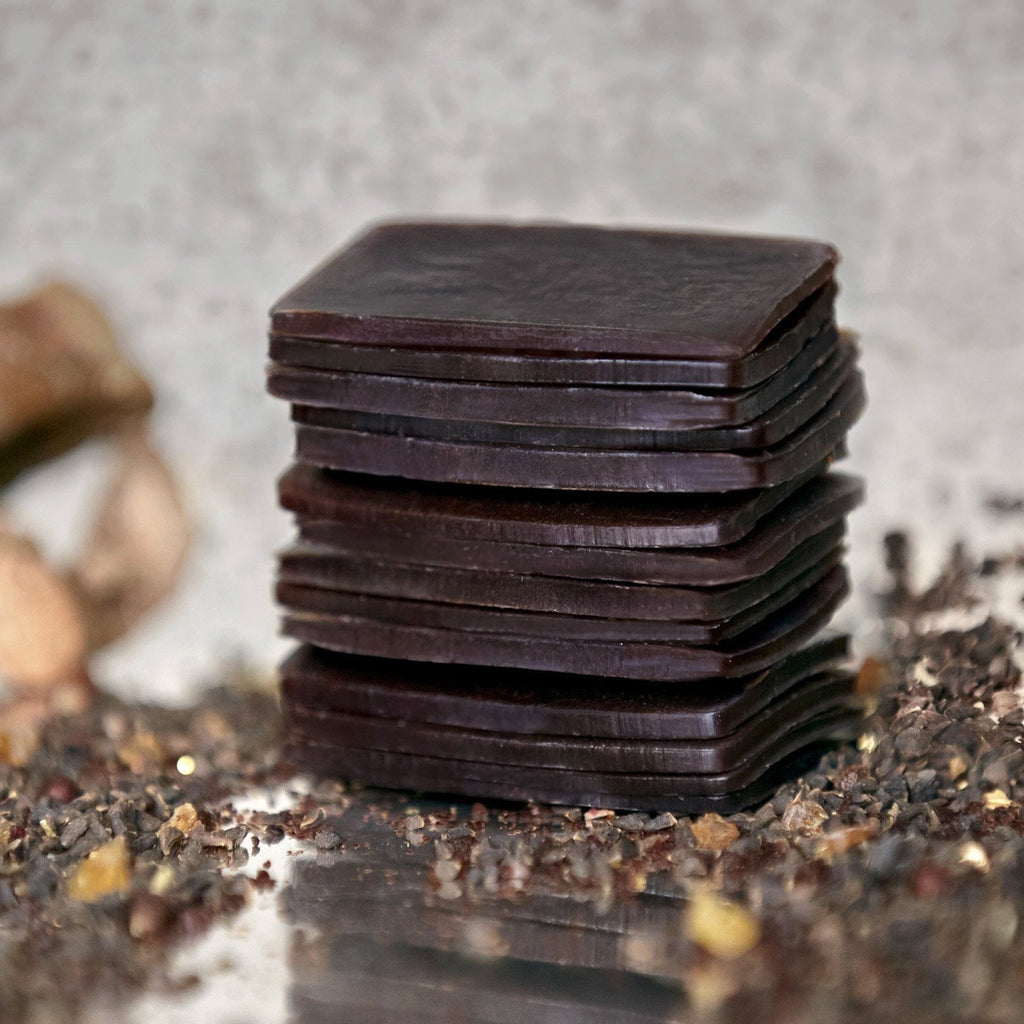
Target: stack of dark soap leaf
[567,525]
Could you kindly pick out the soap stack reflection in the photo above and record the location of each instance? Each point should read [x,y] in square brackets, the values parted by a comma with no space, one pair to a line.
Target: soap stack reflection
[382,939]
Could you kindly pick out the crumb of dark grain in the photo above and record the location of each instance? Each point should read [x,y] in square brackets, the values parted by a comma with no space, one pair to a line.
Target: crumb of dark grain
[952,588]
[263,882]
[150,916]
[885,883]
[1005,504]
[327,839]
[887,880]
[897,557]
[108,852]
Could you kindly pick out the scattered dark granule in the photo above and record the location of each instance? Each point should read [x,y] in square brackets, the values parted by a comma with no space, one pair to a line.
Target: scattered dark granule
[327,839]
[1005,504]
[897,564]
[885,884]
[951,589]
[263,882]
[108,852]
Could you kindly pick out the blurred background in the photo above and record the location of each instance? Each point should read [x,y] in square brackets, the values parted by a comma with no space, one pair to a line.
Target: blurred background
[186,162]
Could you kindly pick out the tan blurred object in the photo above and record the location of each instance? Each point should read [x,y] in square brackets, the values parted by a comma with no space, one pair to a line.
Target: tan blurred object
[42,629]
[138,543]
[42,647]
[62,377]
[20,721]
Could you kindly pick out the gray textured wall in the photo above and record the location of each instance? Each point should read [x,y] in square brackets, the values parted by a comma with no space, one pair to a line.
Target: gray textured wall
[188,161]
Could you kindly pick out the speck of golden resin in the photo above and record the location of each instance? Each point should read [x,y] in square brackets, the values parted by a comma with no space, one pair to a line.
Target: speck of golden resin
[105,871]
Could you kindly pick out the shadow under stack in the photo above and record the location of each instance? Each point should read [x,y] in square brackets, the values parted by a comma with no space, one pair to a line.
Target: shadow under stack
[567,526]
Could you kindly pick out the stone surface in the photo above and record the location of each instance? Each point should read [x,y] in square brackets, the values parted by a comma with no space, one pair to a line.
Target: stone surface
[187,162]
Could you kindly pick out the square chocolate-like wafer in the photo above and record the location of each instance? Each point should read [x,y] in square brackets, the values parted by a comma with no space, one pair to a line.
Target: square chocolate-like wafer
[688,749]
[757,425]
[818,505]
[557,289]
[810,323]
